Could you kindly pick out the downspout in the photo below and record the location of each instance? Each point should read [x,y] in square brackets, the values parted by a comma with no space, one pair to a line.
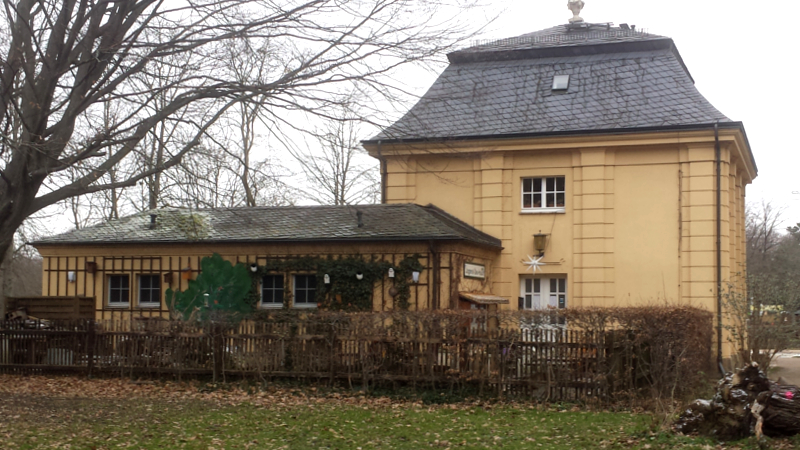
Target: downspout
[717,163]
[382,169]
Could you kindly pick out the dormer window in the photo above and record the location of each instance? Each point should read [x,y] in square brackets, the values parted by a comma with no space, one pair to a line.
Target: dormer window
[560,83]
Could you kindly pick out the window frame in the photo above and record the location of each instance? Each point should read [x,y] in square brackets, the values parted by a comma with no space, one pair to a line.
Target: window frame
[151,304]
[274,290]
[110,288]
[543,192]
[306,289]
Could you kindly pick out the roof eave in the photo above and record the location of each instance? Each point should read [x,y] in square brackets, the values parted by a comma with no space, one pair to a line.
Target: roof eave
[38,244]
[607,132]
[538,134]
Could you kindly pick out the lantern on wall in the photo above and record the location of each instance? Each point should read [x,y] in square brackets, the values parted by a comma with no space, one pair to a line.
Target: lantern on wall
[254,267]
[391,272]
[359,276]
[71,276]
[415,276]
[326,279]
[539,242]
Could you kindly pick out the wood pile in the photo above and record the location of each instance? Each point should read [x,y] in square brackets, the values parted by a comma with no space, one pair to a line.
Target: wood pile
[746,403]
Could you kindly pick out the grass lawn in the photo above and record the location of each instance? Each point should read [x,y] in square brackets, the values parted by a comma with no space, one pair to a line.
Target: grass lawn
[92,415]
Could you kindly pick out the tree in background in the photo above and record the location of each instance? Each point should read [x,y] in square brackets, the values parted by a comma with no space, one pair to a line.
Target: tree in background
[337,170]
[761,321]
[763,232]
[66,62]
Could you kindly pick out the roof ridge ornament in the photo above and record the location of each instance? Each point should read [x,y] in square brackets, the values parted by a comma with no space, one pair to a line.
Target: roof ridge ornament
[575,6]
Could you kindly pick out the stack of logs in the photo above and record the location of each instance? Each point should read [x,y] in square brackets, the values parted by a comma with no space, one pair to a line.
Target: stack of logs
[746,403]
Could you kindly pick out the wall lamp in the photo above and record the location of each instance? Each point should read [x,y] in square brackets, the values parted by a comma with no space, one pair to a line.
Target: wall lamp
[540,242]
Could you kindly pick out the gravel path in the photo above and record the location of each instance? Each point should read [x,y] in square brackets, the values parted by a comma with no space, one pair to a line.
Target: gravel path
[787,365]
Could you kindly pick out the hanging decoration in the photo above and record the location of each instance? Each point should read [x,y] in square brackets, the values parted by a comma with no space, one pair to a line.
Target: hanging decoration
[534,263]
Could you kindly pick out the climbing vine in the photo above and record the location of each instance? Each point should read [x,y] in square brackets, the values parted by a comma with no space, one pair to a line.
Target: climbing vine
[352,280]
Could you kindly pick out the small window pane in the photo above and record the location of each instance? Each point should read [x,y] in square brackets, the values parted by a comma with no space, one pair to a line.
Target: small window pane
[562,301]
[537,185]
[551,200]
[526,184]
[537,200]
[553,285]
[551,184]
[560,200]
[562,285]
[528,301]
[304,290]
[272,290]
[526,201]
[560,183]
[118,289]
[149,290]
[528,284]
[537,285]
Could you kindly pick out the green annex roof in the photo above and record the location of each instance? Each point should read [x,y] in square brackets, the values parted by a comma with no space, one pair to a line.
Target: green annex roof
[388,222]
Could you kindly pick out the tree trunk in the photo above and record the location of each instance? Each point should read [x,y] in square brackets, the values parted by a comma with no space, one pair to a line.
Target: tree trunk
[5,262]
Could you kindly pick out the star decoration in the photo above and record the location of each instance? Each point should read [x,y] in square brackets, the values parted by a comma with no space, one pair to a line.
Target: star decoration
[534,263]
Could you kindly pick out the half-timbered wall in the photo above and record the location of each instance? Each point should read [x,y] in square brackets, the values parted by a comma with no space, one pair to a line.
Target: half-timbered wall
[87,270]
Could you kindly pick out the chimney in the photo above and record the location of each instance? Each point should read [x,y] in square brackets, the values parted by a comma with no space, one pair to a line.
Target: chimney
[153,221]
[360,222]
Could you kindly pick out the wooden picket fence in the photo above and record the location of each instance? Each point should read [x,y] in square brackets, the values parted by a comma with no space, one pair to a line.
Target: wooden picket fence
[546,362]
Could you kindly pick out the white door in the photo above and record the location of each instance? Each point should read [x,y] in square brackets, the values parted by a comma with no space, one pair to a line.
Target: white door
[541,293]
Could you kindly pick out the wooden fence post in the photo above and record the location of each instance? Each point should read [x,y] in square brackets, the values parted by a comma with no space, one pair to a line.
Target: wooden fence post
[90,344]
[333,353]
[217,348]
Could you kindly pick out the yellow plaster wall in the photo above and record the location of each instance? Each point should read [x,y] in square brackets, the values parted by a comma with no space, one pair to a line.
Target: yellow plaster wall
[639,220]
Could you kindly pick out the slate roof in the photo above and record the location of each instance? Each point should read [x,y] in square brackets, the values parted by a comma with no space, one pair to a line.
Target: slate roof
[389,222]
[619,80]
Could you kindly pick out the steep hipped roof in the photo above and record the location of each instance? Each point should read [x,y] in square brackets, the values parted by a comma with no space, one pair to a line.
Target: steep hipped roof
[619,79]
[395,222]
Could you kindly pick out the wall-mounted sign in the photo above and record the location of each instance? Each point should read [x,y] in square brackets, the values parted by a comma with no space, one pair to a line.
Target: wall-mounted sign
[472,270]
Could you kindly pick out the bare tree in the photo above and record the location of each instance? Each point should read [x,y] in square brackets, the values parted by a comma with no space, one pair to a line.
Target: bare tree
[763,232]
[66,59]
[338,171]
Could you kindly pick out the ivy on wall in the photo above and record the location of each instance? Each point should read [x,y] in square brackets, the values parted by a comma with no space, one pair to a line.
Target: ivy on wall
[345,292]
[219,293]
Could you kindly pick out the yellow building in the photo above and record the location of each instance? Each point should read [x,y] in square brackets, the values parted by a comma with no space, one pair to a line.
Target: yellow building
[590,136]
[595,137]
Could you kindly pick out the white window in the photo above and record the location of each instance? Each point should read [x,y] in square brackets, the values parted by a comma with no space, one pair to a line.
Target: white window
[305,288]
[149,291]
[119,291]
[543,194]
[543,293]
[272,291]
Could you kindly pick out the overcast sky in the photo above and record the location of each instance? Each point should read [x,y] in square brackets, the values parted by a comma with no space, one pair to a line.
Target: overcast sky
[741,54]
